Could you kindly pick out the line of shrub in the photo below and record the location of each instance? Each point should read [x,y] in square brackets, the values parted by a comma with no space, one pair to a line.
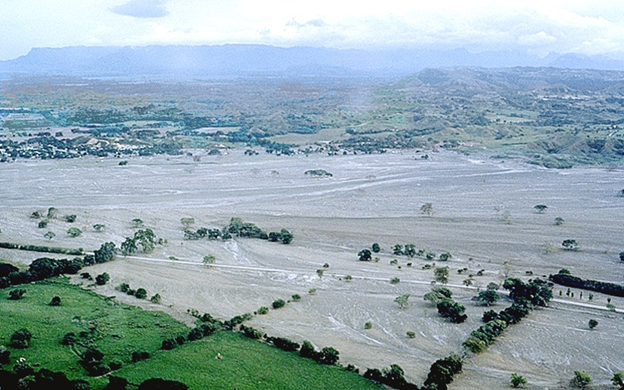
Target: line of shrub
[42,248]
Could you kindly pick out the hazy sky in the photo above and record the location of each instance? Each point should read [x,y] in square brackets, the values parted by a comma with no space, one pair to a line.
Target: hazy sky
[540,26]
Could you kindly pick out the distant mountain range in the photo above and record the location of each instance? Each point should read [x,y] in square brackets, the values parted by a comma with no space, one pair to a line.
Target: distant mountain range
[233,61]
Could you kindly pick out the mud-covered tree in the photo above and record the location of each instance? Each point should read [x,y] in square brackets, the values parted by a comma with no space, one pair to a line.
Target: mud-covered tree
[278,303]
[452,310]
[427,209]
[397,250]
[285,236]
[592,323]
[129,247]
[488,297]
[618,380]
[581,379]
[402,300]
[621,256]
[365,255]
[442,371]
[441,274]
[517,380]
[137,223]
[49,235]
[570,245]
[376,248]
[559,221]
[540,208]
[98,227]
[209,259]
[140,293]
[187,222]
[105,253]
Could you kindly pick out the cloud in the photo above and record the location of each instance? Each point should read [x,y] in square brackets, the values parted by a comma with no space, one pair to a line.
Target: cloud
[311,23]
[142,9]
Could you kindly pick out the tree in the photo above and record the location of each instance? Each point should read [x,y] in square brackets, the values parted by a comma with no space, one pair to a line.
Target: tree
[376,248]
[488,297]
[517,380]
[452,310]
[42,224]
[102,279]
[540,208]
[98,227]
[365,255]
[137,222]
[427,209]
[328,356]
[145,239]
[209,259]
[397,250]
[156,298]
[106,253]
[17,294]
[441,274]
[621,256]
[402,300]
[445,256]
[21,338]
[570,245]
[285,236]
[618,380]
[581,379]
[128,247]
[140,293]
[320,273]
[592,323]
[49,235]
[52,211]
[56,301]
[187,222]
[559,221]
[278,303]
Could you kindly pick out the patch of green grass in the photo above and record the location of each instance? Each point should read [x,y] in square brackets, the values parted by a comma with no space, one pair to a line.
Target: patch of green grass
[245,364]
[115,329]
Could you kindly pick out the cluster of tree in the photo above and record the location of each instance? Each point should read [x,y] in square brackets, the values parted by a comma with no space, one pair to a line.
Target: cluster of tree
[140,292]
[565,279]
[41,248]
[238,228]
[411,251]
[537,292]
[392,376]
[144,240]
[447,307]
[327,355]
[442,372]
[236,320]
[39,269]
[481,338]
[24,376]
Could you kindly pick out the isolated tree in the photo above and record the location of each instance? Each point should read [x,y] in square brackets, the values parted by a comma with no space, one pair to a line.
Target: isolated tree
[49,235]
[106,252]
[365,255]
[488,297]
[427,209]
[397,250]
[56,301]
[540,208]
[278,303]
[285,236]
[187,222]
[621,256]
[98,227]
[209,260]
[17,294]
[445,256]
[376,248]
[517,380]
[156,298]
[137,222]
[581,379]
[140,293]
[74,232]
[70,218]
[42,224]
[402,300]
[52,212]
[441,274]
[146,239]
[559,221]
[320,272]
[570,245]
[592,323]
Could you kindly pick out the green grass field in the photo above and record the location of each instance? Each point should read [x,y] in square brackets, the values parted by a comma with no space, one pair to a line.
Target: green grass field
[118,330]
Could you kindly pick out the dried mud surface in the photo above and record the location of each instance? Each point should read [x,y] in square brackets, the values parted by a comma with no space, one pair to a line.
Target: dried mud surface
[483,215]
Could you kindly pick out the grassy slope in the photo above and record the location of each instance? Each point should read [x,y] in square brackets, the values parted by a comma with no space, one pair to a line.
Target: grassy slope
[246,364]
[121,330]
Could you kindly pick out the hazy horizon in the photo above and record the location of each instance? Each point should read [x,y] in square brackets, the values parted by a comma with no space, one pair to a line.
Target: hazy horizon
[534,28]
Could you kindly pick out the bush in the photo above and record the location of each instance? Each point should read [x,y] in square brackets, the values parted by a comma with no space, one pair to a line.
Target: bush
[278,304]
[140,293]
[102,279]
[16,294]
[21,338]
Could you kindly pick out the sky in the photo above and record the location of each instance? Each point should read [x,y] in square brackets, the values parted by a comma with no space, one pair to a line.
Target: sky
[537,27]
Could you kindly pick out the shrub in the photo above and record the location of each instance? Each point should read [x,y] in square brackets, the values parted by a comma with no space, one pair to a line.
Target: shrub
[278,304]
[16,294]
[140,293]
[102,279]
[21,338]
[517,380]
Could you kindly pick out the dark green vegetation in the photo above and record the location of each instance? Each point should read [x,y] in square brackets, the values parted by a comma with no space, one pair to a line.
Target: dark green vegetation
[553,117]
[88,335]
[565,279]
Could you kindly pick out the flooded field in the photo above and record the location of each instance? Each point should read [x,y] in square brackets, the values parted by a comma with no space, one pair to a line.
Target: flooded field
[483,214]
